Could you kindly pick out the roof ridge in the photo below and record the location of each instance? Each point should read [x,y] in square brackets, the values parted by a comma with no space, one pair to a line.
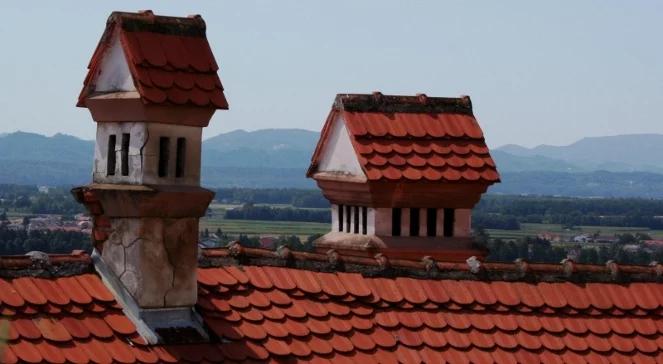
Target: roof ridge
[37,263]
[473,268]
[419,103]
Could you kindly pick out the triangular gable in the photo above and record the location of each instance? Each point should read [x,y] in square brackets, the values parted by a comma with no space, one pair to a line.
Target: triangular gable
[337,155]
[113,74]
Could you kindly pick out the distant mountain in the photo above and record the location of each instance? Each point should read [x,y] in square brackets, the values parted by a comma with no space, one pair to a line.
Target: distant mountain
[282,148]
[507,162]
[620,153]
[279,158]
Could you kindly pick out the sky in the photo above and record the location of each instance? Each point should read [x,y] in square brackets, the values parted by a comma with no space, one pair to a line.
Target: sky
[537,72]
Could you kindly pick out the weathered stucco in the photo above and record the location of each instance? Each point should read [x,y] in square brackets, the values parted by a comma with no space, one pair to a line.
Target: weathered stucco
[144,153]
[154,258]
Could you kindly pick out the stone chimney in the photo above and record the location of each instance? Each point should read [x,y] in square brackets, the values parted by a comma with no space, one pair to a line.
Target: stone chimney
[402,174]
[152,86]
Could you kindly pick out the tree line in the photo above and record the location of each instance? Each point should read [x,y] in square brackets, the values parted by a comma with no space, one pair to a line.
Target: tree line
[252,212]
[14,242]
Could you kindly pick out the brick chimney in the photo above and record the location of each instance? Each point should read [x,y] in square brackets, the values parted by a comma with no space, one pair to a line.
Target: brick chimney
[402,174]
[152,86]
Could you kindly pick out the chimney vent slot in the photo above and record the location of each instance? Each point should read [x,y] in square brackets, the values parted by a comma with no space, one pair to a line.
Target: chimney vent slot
[125,153]
[164,151]
[181,157]
[111,158]
[396,221]
[356,220]
[340,217]
[348,218]
[431,222]
[449,220]
[414,222]
[364,219]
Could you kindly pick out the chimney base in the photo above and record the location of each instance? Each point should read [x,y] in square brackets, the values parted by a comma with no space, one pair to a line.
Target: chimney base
[454,249]
[172,325]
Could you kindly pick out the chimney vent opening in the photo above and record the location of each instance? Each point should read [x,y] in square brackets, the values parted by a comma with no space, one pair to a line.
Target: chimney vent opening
[164,151]
[181,157]
[111,158]
[125,153]
[396,221]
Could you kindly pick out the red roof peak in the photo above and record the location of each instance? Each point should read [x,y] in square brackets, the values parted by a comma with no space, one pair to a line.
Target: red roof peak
[169,61]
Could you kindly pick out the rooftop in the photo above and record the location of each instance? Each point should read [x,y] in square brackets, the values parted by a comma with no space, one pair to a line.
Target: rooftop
[262,305]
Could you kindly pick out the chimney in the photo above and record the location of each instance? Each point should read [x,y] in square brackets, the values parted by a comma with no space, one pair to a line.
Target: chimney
[151,87]
[402,174]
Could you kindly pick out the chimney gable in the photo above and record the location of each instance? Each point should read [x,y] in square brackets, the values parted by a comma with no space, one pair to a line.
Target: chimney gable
[424,165]
[169,60]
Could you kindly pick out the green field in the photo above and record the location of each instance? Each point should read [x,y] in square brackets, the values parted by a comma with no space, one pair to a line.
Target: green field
[304,229]
[535,229]
[258,227]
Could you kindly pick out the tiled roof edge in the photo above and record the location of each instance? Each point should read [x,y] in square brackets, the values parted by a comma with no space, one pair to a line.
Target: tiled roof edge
[472,269]
[420,103]
[147,21]
[40,264]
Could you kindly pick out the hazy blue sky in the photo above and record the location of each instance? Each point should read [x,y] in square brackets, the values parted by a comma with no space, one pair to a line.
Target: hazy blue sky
[537,72]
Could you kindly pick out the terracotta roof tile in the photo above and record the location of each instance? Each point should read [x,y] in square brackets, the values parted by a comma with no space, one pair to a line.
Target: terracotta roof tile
[167,67]
[350,318]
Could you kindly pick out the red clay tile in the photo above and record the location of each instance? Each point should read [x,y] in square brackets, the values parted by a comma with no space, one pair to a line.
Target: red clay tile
[7,356]
[26,351]
[277,347]
[386,289]
[597,326]
[434,320]
[119,323]
[95,288]
[52,291]
[280,278]
[251,330]
[50,352]
[412,291]
[457,320]
[258,278]
[275,329]
[146,355]
[505,340]
[74,290]
[95,350]
[26,287]
[98,327]
[26,328]
[644,326]
[51,329]
[480,321]
[354,283]
[552,296]
[457,339]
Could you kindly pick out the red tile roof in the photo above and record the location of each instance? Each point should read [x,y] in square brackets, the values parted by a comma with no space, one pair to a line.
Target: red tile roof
[259,313]
[405,138]
[169,59]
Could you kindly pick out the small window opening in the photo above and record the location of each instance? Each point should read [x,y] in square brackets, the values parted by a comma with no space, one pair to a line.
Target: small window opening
[125,154]
[164,151]
[356,220]
[431,222]
[111,156]
[181,157]
[348,218]
[364,220]
[396,221]
[340,217]
[414,222]
[449,220]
